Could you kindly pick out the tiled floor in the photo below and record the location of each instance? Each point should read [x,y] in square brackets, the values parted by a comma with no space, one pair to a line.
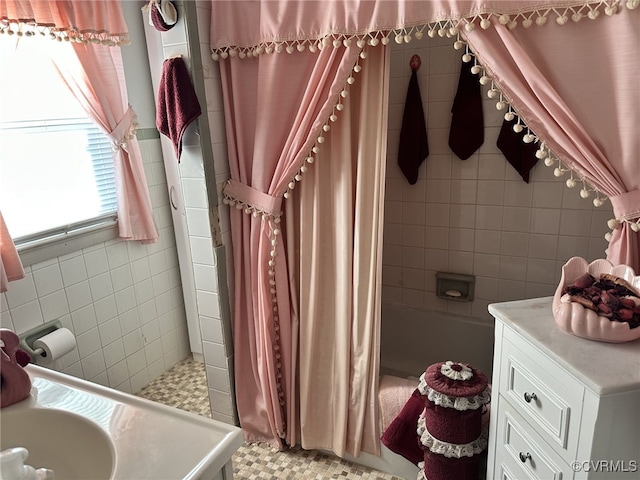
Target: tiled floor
[185,387]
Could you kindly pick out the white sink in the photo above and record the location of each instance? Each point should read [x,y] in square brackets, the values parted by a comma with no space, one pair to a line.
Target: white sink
[72,446]
[82,430]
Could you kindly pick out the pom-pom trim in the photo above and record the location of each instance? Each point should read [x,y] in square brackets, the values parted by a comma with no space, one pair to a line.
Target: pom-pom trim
[442,28]
[29,28]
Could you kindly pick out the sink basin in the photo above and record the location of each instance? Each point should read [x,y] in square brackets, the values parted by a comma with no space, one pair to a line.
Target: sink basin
[82,430]
[70,445]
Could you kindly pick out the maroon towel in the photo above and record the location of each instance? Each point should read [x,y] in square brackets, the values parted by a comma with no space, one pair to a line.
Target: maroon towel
[439,467]
[467,124]
[521,156]
[413,149]
[401,435]
[177,102]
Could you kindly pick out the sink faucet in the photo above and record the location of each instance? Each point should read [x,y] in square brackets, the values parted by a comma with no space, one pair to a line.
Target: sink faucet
[15,384]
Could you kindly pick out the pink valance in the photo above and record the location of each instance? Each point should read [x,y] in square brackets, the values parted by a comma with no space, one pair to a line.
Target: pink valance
[241,26]
[95,21]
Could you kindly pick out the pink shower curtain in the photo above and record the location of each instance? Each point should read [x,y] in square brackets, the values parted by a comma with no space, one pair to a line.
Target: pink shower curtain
[334,251]
[275,108]
[255,32]
[95,76]
[576,88]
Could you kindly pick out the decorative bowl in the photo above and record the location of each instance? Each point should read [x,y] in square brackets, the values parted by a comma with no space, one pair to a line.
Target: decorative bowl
[580,321]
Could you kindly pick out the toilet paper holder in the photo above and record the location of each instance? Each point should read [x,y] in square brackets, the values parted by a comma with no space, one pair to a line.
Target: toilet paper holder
[28,338]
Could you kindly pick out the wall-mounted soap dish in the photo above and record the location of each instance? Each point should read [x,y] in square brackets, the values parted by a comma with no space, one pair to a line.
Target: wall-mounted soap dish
[455,286]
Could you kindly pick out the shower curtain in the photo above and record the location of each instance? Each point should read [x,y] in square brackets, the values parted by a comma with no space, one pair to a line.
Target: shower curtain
[334,240]
[531,88]
[584,102]
[276,109]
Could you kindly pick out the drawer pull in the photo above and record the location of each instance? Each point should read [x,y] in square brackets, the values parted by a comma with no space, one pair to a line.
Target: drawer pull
[524,456]
[529,396]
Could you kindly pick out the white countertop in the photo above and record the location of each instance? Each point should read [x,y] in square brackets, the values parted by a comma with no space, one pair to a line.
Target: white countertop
[151,441]
[605,368]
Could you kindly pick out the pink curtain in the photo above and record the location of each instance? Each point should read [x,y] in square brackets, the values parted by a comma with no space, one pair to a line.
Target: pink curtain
[576,87]
[275,108]
[99,21]
[10,264]
[95,76]
[334,226]
[540,54]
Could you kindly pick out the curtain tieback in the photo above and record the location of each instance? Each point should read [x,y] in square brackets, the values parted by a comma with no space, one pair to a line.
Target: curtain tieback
[252,200]
[626,208]
[124,131]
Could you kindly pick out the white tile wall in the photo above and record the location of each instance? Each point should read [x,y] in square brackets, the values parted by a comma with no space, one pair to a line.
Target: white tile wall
[113,296]
[211,286]
[474,216]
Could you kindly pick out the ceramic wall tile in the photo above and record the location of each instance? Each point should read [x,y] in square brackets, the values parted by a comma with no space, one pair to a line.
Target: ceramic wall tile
[110,331]
[53,306]
[26,316]
[543,246]
[48,279]
[22,291]
[488,217]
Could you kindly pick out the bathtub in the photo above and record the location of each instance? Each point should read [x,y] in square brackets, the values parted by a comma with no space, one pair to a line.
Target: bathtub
[411,340]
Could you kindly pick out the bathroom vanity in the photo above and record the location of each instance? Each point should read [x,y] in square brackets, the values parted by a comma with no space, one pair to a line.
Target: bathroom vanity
[563,407]
[83,430]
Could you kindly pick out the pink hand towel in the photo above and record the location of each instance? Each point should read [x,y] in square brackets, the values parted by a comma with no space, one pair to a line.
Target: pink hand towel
[178,104]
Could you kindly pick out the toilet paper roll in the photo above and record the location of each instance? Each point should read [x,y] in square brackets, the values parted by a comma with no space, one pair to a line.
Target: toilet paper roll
[55,345]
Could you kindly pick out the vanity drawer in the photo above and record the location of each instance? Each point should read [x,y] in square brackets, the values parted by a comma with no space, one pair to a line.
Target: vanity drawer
[505,473]
[524,454]
[548,398]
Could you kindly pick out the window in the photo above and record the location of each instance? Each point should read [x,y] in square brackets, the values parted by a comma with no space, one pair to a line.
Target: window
[56,165]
